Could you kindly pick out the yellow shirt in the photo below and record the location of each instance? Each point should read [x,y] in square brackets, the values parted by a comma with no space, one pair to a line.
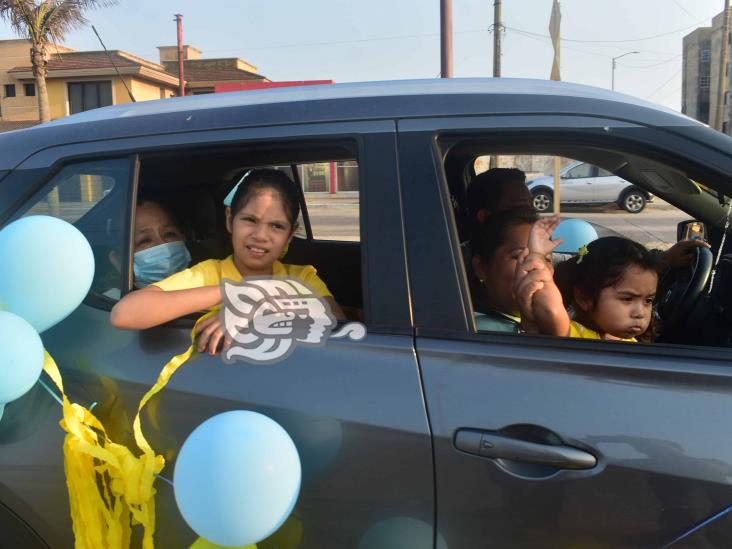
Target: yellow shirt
[583,332]
[212,271]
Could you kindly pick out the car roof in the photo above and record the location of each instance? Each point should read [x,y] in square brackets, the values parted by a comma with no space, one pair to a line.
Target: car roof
[359,90]
[333,103]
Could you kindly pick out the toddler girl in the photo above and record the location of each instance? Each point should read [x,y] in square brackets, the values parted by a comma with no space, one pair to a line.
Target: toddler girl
[613,286]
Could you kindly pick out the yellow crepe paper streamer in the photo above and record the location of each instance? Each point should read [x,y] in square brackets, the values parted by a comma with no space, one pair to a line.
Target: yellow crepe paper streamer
[202,543]
[110,488]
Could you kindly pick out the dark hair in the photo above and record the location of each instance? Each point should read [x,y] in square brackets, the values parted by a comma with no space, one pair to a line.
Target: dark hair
[259,179]
[489,235]
[486,189]
[158,198]
[606,261]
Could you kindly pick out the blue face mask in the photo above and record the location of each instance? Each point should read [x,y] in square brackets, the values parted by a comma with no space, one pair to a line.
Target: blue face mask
[159,262]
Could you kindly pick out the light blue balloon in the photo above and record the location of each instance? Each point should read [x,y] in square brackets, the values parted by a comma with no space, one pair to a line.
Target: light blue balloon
[46,269]
[575,233]
[21,357]
[237,478]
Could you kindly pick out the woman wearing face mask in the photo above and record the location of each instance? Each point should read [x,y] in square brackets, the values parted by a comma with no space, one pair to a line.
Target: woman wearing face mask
[160,248]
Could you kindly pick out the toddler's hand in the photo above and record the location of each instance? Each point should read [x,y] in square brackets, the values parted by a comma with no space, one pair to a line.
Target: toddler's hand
[540,241]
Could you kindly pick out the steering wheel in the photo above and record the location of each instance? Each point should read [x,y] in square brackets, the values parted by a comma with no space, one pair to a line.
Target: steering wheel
[680,288]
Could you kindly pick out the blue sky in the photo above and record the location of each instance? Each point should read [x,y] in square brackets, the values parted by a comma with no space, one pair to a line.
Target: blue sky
[348,40]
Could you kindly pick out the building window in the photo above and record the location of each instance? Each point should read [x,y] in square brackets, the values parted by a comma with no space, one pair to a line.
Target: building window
[704,82]
[30,90]
[705,56]
[9,90]
[84,96]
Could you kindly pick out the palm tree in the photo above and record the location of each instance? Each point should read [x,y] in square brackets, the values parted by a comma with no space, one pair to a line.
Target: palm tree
[44,22]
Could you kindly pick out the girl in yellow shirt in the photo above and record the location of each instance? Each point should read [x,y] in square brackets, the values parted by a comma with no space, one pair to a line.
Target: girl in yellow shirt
[614,284]
[262,219]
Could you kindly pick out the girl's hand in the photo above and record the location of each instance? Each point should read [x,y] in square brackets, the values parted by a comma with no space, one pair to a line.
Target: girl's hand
[210,335]
[540,237]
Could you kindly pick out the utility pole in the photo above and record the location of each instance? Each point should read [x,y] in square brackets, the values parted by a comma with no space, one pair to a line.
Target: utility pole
[555,24]
[446,38]
[497,29]
[721,88]
[181,81]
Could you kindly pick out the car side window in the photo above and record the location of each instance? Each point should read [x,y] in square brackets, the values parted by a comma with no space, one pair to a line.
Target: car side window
[581,171]
[331,192]
[92,196]
[328,181]
[603,173]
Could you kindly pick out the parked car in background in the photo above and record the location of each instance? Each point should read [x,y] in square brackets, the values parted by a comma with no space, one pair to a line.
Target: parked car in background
[583,183]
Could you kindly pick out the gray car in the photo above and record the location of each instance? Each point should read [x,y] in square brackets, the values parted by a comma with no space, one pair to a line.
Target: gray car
[426,433]
[583,183]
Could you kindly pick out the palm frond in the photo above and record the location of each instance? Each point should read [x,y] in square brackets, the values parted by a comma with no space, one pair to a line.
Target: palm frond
[19,14]
[48,20]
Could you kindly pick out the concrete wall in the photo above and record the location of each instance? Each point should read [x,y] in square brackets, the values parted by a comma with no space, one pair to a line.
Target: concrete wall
[57,98]
[144,91]
[533,165]
[14,53]
[694,98]
[58,94]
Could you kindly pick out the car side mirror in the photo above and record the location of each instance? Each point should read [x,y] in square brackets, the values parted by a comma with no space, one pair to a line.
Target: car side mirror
[691,229]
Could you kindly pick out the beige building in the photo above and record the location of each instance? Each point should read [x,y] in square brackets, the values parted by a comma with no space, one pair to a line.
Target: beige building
[77,81]
[702,50]
[202,75]
[18,102]
[82,80]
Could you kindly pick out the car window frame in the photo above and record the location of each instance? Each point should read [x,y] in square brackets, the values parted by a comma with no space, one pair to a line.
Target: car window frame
[440,132]
[386,297]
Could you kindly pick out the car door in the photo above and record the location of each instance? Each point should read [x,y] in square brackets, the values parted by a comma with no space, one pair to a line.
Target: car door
[553,442]
[577,183]
[607,186]
[355,409]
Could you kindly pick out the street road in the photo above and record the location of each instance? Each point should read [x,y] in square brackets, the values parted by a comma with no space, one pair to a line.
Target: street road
[655,226]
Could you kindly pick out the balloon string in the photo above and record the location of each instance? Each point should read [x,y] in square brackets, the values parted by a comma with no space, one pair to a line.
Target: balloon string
[57,398]
[161,477]
[50,392]
[61,402]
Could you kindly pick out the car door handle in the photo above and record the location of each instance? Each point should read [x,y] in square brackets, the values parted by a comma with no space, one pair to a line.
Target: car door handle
[492,445]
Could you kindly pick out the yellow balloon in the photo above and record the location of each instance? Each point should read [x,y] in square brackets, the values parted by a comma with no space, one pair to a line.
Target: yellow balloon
[201,543]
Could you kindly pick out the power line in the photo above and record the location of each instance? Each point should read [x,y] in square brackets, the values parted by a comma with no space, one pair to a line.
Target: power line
[677,73]
[615,41]
[541,39]
[683,8]
[359,41]
[674,58]
[673,91]
[598,54]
